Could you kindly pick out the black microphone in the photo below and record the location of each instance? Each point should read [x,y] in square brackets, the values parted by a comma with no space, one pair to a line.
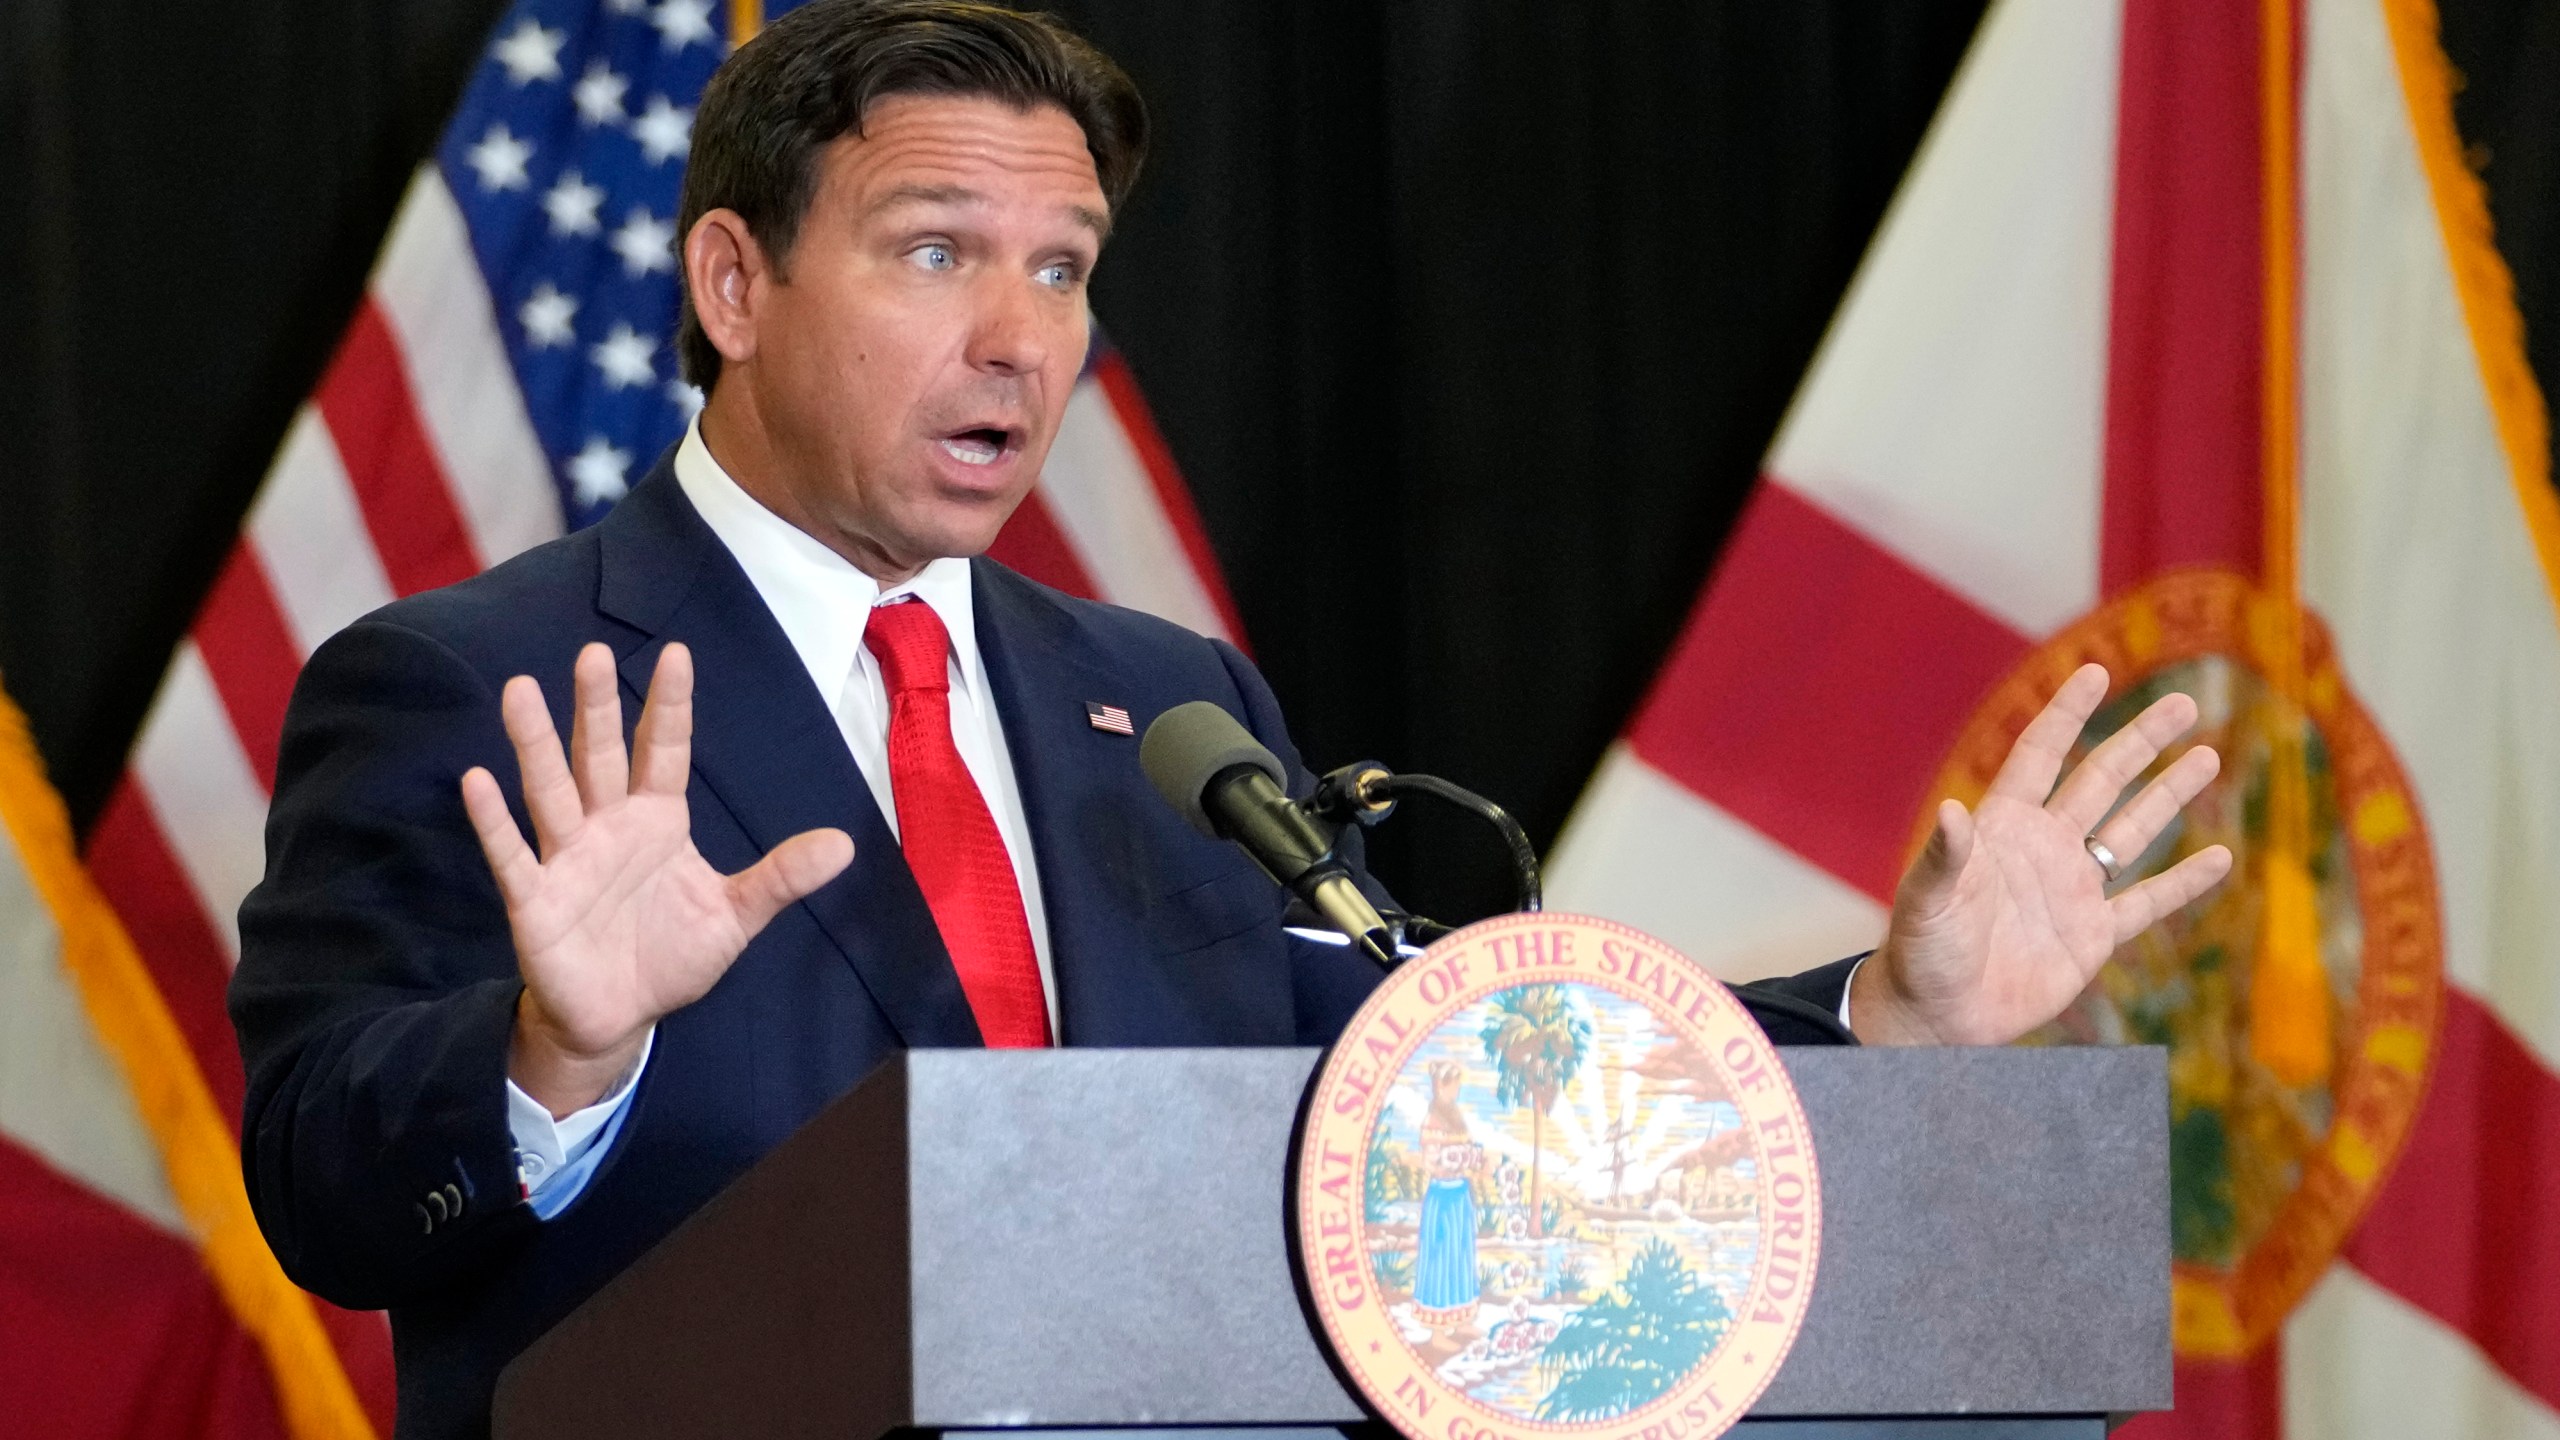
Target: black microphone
[1228,785]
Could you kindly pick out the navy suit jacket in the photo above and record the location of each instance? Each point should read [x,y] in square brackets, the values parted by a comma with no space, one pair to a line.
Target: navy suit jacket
[377,983]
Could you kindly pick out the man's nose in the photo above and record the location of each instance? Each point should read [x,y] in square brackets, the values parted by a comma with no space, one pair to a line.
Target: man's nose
[1011,337]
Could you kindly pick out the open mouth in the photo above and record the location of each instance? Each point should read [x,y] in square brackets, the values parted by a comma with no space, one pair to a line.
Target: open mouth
[984,445]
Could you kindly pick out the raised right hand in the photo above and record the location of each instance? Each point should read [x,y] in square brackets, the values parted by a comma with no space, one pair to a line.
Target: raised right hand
[619,921]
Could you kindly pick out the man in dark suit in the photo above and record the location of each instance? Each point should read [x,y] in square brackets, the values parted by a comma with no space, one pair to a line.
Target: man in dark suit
[862,806]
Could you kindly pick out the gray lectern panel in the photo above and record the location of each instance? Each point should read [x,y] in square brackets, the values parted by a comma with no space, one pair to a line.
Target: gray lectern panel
[1995,1237]
[1995,1233]
[1099,1241]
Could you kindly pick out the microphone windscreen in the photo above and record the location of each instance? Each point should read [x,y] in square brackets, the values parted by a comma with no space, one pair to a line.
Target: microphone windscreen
[1190,745]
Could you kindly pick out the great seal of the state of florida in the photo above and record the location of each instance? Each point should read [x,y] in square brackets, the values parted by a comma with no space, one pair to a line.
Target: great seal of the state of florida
[1553,1179]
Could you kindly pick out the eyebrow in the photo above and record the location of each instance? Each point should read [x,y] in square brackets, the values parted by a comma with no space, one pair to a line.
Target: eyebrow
[1093,220]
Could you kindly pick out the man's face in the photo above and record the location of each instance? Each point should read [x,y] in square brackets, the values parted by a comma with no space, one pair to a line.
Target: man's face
[910,371]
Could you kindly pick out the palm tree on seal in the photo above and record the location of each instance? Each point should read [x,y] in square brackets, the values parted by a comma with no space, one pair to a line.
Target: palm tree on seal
[1634,1343]
[1536,1041]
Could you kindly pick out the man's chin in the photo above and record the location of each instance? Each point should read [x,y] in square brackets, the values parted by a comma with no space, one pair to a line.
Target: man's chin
[962,531]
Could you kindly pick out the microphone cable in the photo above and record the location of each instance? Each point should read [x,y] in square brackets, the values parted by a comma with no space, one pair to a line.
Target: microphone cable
[1365,792]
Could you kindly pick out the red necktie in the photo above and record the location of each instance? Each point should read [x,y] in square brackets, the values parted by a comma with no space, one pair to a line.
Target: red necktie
[950,839]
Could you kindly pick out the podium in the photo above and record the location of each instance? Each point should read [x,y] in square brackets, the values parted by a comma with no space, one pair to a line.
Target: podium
[1096,1238]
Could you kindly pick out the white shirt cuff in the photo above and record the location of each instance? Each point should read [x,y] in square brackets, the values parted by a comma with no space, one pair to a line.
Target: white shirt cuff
[1845,987]
[545,1147]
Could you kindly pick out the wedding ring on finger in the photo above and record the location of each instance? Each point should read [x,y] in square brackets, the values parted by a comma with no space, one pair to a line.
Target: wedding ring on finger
[2106,858]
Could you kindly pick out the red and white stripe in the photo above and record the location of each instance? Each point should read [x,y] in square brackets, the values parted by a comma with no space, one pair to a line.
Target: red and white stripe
[1112,520]
[1969,467]
[414,465]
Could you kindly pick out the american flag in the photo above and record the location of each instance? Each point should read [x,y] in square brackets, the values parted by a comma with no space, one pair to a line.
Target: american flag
[508,374]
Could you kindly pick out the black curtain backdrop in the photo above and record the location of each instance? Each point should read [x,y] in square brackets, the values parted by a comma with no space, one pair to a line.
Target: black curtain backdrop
[1468,322]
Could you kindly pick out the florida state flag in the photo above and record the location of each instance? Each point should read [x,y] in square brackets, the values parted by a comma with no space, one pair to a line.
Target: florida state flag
[2185,348]
[135,1293]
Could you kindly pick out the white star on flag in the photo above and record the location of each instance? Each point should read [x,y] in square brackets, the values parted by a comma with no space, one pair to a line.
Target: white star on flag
[685,398]
[599,472]
[683,22]
[625,7]
[545,316]
[531,53]
[624,358]
[664,132]
[500,159]
[571,204]
[599,95]
[644,242]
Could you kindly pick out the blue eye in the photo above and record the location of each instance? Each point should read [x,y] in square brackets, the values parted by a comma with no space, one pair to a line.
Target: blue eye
[933,257]
[1058,276]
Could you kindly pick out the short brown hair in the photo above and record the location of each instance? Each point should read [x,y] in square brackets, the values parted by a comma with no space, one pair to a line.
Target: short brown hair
[813,74]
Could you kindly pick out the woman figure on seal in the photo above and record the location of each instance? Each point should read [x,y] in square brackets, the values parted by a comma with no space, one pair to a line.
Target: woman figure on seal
[1445,1288]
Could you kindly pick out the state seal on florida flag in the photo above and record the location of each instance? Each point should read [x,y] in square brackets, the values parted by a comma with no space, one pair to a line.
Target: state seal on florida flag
[1554,1180]
[2299,1007]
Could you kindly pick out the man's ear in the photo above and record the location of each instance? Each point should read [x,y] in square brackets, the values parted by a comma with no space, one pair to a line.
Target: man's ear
[726,275]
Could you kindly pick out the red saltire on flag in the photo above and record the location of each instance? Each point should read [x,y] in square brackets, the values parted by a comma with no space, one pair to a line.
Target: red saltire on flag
[414,464]
[2185,348]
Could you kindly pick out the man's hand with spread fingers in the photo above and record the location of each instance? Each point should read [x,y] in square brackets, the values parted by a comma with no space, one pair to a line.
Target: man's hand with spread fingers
[2006,915]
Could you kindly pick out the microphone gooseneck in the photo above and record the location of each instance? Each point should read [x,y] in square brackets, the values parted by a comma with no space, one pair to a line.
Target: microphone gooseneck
[1365,792]
[1229,786]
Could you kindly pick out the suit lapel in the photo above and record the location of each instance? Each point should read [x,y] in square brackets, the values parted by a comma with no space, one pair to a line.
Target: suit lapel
[767,748]
[1065,768]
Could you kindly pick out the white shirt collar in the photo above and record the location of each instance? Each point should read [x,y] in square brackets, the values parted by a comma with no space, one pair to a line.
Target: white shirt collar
[821,601]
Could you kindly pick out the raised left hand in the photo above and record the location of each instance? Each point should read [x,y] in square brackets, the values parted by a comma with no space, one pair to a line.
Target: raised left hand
[2004,917]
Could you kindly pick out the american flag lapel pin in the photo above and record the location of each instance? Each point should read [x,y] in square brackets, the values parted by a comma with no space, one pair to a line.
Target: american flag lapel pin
[1108,717]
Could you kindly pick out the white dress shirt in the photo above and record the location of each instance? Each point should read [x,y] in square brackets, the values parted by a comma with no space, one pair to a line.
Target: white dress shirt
[822,604]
